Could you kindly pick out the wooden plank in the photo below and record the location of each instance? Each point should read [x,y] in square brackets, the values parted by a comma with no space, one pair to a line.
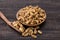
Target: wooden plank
[51,28]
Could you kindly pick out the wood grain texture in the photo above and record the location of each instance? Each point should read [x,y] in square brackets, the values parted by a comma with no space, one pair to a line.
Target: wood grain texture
[50,28]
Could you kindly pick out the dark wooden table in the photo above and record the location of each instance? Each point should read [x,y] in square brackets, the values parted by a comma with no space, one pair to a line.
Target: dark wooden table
[51,27]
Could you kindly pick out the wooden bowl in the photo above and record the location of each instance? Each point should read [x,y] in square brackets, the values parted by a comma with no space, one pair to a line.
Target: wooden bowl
[31,24]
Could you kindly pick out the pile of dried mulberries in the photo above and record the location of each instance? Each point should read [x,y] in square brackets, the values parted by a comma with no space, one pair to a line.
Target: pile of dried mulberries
[29,16]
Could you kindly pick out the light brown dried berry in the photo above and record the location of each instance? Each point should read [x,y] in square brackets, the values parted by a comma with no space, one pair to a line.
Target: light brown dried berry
[34,36]
[35,31]
[40,32]
[30,32]
[25,34]
[21,29]
[14,23]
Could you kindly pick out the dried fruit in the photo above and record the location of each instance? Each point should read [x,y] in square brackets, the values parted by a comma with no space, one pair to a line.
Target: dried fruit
[35,31]
[22,29]
[14,23]
[40,32]
[30,32]
[34,36]
[25,34]
[18,25]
